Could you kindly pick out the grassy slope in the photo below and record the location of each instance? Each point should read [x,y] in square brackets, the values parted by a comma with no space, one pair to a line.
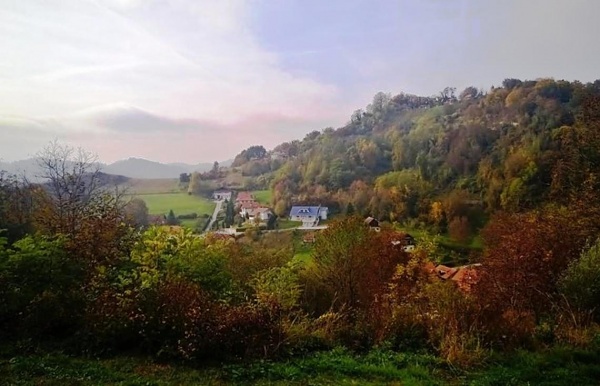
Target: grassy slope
[153,186]
[557,366]
[263,196]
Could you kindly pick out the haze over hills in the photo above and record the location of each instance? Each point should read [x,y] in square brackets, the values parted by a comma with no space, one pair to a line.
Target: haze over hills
[131,167]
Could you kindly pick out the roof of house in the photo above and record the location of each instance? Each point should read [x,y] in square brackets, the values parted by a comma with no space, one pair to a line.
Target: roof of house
[445,272]
[371,220]
[222,190]
[257,211]
[306,210]
[249,205]
[244,196]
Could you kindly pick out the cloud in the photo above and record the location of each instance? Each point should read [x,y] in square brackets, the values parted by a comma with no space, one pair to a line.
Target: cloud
[77,68]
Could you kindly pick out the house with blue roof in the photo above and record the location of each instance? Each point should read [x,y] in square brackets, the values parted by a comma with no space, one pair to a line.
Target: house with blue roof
[309,215]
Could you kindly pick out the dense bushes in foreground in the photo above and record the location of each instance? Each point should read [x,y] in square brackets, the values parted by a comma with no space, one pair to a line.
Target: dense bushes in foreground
[172,294]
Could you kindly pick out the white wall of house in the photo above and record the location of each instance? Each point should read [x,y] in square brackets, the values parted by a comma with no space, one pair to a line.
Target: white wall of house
[323,213]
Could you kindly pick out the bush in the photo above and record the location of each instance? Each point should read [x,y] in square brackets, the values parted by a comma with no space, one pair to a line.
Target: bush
[188,216]
[40,289]
[581,282]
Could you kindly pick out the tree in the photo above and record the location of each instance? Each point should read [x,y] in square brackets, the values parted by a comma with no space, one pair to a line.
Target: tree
[272,221]
[184,177]
[198,185]
[581,281]
[354,263]
[136,213]
[172,219]
[349,209]
[76,188]
[229,214]
[459,229]
[16,207]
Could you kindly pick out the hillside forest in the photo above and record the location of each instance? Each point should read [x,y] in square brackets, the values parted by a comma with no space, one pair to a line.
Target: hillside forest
[518,165]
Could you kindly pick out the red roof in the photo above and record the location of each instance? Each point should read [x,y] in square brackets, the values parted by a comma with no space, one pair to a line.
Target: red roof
[466,277]
[250,205]
[244,196]
[445,272]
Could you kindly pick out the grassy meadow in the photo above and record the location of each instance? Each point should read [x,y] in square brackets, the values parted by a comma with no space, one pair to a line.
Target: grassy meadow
[180,203]
[557,366]
[139,186]
[263,196]
[163,194]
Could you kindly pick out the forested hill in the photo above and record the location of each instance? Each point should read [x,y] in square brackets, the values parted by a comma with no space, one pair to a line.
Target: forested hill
[433,158]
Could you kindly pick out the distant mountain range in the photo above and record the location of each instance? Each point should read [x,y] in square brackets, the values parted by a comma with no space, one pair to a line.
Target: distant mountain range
[131,167]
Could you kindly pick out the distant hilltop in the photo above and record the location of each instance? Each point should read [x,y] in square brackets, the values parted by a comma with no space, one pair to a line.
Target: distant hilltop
[131,167]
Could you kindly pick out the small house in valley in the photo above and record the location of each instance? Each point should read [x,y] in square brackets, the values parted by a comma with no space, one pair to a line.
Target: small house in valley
[465,276]
[244,198]
[308,215]
[406,241]
[262,213]
[222,194]
[372,223]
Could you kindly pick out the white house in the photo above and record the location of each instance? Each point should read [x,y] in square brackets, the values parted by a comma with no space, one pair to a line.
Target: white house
[309,215]
[222,194]
[262,213]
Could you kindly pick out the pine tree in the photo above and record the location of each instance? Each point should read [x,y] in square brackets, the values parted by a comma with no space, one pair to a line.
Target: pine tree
[171,219]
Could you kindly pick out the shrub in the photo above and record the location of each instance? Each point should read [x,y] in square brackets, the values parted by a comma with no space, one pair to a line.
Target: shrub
[581,282]
[188,216]
[40,294]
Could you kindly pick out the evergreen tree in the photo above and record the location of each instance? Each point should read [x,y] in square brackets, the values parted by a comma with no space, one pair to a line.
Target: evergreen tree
[229,214]
[350,209]
[172,219]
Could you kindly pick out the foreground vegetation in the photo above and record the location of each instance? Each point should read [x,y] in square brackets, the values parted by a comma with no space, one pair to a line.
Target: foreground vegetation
[81,275]
[557,366]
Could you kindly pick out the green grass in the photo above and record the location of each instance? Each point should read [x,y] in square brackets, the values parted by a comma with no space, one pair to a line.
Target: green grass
[181,203]
[551,367]
[59,369]
[284,223]
[263,196]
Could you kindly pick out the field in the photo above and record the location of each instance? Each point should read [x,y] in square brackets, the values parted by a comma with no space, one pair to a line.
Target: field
[180,203]
[152,186]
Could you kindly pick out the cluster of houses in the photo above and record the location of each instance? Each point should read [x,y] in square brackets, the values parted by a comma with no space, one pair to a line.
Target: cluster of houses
[250,209]
[310,216]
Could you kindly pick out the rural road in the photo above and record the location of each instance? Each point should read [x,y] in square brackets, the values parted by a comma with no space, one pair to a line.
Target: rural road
[214,215]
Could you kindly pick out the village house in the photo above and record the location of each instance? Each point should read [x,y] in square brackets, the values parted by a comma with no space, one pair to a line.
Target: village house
[464,276]
[372,223]
[222,194]
[406,241]
[261,212]
[308,215]
[244,198]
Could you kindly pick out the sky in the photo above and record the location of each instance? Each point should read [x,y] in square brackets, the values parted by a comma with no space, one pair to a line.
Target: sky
[197,81]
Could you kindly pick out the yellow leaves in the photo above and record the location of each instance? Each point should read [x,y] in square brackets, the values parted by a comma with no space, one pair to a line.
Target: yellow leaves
[436,213]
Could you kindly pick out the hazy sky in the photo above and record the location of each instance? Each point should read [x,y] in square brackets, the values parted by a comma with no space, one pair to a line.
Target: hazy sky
[192,81]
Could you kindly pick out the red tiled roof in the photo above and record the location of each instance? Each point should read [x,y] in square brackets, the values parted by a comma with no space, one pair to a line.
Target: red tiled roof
[249,205]
[466,277]
[445,272]
[244,196]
